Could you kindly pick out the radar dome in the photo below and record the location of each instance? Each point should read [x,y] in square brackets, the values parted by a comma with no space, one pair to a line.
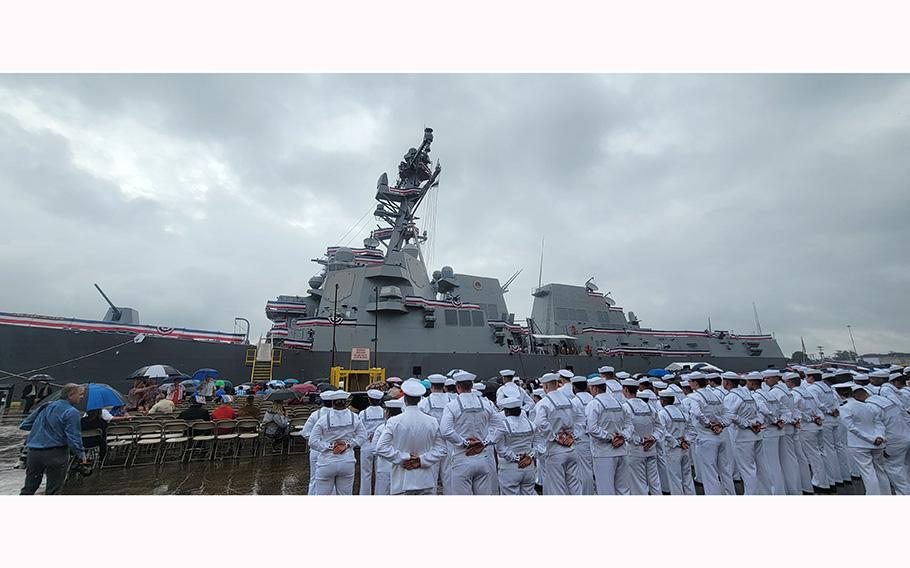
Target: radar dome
[447,272]
[316,281]
[345,255]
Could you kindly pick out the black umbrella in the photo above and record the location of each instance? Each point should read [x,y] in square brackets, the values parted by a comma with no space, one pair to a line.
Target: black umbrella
[41,377]
[282,395]
[156,372]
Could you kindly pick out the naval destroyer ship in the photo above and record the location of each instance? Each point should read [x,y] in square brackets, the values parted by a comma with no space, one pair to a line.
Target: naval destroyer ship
[383,297]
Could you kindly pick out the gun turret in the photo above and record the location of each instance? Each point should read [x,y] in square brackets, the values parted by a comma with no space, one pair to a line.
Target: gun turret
[116,311]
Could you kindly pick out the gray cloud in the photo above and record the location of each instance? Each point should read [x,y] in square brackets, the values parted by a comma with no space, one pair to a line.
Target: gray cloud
[196,198]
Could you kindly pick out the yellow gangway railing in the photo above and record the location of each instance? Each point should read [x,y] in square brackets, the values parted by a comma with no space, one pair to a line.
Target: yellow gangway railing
[353,380]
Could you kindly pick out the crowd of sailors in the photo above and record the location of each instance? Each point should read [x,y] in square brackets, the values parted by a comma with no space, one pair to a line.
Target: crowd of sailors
[792,432]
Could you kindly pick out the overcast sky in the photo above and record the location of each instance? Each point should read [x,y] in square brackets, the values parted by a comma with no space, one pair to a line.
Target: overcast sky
[197,198]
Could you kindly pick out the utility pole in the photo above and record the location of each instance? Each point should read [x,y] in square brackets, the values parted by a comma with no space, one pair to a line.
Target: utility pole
[855,352]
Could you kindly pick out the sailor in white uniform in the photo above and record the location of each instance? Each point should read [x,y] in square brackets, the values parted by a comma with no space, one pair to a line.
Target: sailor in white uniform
[866,440]
[612,385]
[643,477]
[565,382]
[743,413]
[840,434]
[893,389]
[554,418]
[789,460]
[517,445]
[371,417]
[829,405]
[308,429]
[897,434]
[609,426]
[775,420]
[675,430]
[468,423]
[450,388]
[800,421]
[511,390]
[726,450]
[707,416]
[655,387]
[434,404]
[384,466]
[810,433]
[582,441]
[335,436]
[411,441]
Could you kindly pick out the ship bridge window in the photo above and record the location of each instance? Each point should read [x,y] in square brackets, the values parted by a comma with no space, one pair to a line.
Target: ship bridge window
[477,318]
[464,318]
[451,317]
[562,314]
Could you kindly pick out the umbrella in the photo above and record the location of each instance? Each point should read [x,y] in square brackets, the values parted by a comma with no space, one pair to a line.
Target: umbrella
[658,372]
[282,395]
[41,377]
[97,395]
[304,389]
[276,383]
[205,373]
[155,372]
[291,381]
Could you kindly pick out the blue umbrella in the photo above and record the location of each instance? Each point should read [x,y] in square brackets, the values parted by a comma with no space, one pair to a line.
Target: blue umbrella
[291,381]
[658,372]
[99,395]
[205,373]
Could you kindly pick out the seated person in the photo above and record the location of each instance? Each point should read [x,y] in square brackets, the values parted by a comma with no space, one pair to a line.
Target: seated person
[94,420]
[224,410]
[195,411]
[162,406]
[250,409]
[276,424]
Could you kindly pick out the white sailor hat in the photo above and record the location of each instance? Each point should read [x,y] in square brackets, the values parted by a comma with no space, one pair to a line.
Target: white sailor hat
[622,375]
[675,388]
[629,383]
[846,385]
[597,382]
[865,378]
[507,373]
[695,375]
[659,385]
[670,377]
[566,374]
[644,379]
[478,387]
[710,376]
[645,394]
[893,368]
[893,376]
[450,382]
[666,393]
[326,395]
[510,402]
[826,376]
[393,380]
[338,395]
[548,378]
[770,373]
[437,379]
[579,379]
[839,372]
[684,383]
[394,403]
[463,376]
[375,394]
[730,376]
[753,376]
[790,376]
[413,387]
[880,374]
[605,369]
[452,372]
[538,392]
[811,371]
[855,387]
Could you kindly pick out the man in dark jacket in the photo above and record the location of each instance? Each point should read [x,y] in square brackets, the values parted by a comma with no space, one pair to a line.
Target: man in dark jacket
[195,411]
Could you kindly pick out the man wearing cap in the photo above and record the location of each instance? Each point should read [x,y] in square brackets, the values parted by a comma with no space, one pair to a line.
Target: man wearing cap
[384,466]
[776,417]
[371,417]
[706,413]
[612,385]
[434,404]
[743,413]
[517,445]
[468,423]
[892,391]
[307,429]
[554,418]
[813,438]
[510,390]
[565,382]
[580,401]
[335,436]
[789,459]
[803,420]
[897,434]
[394,387]
[840,435]
[674,429]
[411,441]
[829,405]
[866,440]
[643,476]
[609,425]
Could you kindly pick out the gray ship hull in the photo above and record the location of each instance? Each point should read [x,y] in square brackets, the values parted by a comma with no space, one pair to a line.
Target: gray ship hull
[23,350]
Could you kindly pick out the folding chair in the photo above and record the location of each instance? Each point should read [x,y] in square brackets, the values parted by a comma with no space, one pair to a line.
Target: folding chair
[297,444]
[247,437]
[202,442]
[176,438]
[147,444]
[225,439]
[119,446]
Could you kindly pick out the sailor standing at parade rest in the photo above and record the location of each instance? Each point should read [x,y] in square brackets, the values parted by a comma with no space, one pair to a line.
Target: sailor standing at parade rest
[743,413]
[866,440]
[565,382]
[554,418]
[775,419]
[384,466]
[308,429]
[646,383]
[510,390]
[829,406]
[706,413]
[897,434]
[840,434]
[643,476]
[517,445]
[371,417]
[609,425]
[892,390]
[468,423]
[611,384]
[675,429]
[811,431]
[411,441]
[434,404]
[580,400]
[802,420]
[726,450]
[616,389]
[789,459]
[335,436]
[844,391]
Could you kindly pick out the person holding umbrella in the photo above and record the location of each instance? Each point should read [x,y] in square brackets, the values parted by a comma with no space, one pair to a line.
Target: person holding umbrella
[54,430]
[35,391]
